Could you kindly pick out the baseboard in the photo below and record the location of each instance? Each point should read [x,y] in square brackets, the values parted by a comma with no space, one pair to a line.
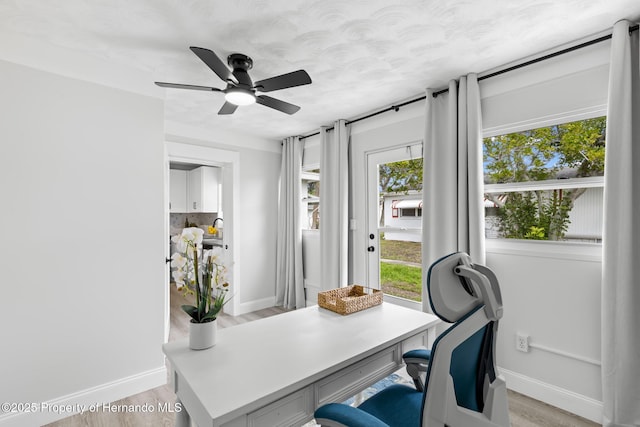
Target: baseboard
[90,399]
[570,401]
[248,307]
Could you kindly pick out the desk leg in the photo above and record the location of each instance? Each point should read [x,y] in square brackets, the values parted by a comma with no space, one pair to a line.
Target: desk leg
[182,418]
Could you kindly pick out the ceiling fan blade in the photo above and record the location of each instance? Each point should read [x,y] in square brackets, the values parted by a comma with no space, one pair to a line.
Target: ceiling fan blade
[276,104]
[192,87]
[211,59]
[227,108]
[295,78]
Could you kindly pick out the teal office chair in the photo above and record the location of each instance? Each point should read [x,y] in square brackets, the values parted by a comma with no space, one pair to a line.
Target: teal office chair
[462,387]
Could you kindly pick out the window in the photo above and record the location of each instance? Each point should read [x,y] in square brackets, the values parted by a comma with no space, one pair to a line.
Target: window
[311,199]
[546,183]
[406,208]
[411,212]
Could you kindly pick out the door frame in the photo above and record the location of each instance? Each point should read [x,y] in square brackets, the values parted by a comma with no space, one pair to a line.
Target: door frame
[229,161]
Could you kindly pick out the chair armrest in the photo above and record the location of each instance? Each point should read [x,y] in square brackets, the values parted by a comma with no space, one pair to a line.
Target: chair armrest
[419,355]
[417,361]
[340,415]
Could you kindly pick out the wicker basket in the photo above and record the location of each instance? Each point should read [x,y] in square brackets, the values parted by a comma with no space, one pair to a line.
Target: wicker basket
[349,299]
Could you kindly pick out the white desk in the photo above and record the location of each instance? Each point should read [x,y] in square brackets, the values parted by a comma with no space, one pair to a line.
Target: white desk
[278,370]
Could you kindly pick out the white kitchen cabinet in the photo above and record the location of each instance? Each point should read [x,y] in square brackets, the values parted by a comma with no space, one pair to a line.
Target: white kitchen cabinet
[177,190]
[203,189]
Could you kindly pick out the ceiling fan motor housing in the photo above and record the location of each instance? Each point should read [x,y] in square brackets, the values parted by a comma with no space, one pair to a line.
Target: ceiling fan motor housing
[240,64]
[239,61]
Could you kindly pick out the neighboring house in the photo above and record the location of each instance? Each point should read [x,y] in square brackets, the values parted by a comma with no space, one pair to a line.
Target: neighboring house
[404,213]
[587,216]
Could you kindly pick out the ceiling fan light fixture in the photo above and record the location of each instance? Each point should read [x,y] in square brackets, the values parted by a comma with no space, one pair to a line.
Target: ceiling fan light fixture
[240,97]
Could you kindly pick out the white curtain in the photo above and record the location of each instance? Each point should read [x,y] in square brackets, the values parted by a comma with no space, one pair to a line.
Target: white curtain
[334,205]
[452,191]
[289,273]
[621,236]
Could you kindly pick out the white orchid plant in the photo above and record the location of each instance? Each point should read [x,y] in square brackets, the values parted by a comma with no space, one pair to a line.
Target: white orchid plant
[199,273]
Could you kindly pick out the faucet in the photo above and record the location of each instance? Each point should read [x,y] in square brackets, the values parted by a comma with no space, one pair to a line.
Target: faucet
[218,232]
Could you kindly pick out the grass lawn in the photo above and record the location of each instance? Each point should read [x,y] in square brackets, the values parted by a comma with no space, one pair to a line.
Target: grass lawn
[400,280]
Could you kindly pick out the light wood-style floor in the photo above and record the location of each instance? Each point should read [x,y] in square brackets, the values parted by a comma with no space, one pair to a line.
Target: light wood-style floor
[524,411]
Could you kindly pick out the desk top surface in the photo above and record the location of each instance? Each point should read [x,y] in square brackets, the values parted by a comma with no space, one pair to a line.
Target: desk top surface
[260,361]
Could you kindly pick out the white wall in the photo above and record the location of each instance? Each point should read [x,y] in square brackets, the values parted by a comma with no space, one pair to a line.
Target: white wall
[83,253]
[551,293]
[566,88]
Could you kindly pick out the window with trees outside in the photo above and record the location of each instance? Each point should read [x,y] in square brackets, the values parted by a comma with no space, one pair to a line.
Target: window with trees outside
[546,183]
[310,190]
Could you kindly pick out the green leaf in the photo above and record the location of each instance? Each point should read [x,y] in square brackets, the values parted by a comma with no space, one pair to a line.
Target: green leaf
[191,311]
[211,315]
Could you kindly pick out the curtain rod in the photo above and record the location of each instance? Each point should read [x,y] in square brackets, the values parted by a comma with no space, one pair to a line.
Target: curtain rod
[487,76]
[543,58]
[368,116]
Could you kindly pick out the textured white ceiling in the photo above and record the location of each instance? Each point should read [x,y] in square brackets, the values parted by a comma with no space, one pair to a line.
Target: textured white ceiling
[362,55]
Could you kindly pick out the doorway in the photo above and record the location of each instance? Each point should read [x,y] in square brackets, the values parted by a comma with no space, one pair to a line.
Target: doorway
[228,161]
[394,224]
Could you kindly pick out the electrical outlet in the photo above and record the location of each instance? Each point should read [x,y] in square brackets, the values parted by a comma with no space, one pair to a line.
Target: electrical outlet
[522,342]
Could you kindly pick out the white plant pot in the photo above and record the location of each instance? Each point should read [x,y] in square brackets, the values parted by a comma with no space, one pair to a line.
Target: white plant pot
[202,335]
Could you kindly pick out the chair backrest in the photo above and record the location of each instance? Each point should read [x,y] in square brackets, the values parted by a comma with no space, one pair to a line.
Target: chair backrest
[462,385]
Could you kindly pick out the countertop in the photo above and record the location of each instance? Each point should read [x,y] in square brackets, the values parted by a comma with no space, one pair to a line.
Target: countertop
[211,240]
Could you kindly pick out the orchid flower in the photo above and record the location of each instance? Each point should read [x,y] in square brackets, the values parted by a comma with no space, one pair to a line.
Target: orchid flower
[202,273]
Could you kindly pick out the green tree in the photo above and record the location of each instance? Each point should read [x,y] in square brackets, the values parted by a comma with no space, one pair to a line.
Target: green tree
[536,155]
[399,177]
[535,215]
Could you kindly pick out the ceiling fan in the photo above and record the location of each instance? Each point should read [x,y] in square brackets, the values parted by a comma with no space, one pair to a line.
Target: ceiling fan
[240,88]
